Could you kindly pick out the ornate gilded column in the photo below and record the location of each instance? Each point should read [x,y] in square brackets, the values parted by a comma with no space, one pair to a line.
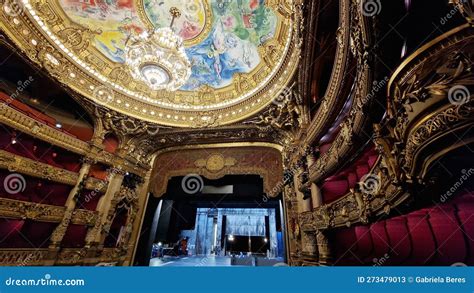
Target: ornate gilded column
[316,196]
[94,237]
[142,192]
[310,245]
[324,248]
[58,234]
[304,205]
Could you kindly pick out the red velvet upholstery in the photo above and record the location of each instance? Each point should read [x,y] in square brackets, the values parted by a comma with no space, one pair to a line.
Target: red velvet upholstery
[25,234]
[441,235]
[399,240]
[98,171]
[334,188]
[339,185]
[379,238]
[34,149]
[465,215]
[89,200]
[37,190]
[73,130]
[422,238]
[75,236]
[10,232]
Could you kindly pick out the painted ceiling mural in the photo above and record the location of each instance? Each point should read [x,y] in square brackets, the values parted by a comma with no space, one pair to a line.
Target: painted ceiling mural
[226,46]
[243,53]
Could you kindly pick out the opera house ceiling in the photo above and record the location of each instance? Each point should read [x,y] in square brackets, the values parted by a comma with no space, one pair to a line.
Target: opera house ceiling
[224,60]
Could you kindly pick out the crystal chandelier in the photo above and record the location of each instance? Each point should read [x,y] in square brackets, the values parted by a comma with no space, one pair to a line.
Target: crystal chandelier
[158,58]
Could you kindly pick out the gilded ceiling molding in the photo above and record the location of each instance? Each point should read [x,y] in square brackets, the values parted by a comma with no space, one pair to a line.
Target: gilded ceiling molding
[217,161]
[333,100]
[167,138]
[66,50]
[286,115]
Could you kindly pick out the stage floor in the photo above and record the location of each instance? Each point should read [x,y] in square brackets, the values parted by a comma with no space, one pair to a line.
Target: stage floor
[209,261]
[191,261]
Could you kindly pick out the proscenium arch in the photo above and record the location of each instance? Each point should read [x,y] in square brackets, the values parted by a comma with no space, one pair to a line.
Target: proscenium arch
[263,159]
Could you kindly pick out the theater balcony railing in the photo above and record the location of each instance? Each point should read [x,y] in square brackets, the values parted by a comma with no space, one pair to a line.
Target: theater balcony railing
[430,113]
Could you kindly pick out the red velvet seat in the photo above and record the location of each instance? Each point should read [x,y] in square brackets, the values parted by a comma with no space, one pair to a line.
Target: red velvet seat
[364,243]
[362,170]
[399,239]
[451,247]
[423,242]
[371,160]
[465,214]
[380,239]
[352,179]
[334,189]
